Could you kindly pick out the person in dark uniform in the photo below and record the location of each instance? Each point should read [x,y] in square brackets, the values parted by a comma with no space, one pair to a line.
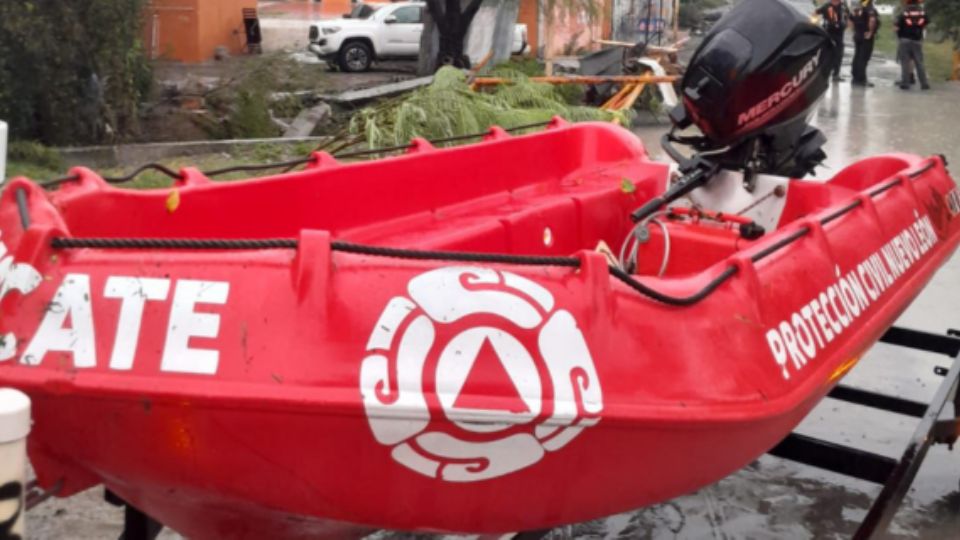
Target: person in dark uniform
[910,26]
[836,17]
[865,21]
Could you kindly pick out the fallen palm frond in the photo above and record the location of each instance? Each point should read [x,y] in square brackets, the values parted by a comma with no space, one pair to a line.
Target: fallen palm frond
[449,108]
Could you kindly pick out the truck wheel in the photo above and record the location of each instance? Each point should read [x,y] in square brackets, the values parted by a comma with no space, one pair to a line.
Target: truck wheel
[355,56]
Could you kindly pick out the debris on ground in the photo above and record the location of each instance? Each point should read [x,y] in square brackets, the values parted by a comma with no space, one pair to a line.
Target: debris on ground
[354,97]
[305,122]
[449,107]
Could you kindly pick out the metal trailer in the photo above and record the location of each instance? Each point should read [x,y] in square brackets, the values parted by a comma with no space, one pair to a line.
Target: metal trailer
[894,475]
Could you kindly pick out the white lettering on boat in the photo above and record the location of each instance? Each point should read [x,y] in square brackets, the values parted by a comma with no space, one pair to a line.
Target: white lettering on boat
[73,302]
[133,294]
[20,277]
[799,338]
[953,201]
[772,103]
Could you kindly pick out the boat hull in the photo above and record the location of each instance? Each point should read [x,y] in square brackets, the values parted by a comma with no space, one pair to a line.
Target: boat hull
[323,390]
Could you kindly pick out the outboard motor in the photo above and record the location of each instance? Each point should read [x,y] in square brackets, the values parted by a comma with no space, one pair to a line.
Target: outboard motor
[749,90]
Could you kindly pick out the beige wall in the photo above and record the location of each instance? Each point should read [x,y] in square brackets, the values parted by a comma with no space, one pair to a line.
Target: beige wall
[571,31]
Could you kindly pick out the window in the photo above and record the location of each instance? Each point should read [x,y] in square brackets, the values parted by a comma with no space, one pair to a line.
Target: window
[362,11]
[408,15]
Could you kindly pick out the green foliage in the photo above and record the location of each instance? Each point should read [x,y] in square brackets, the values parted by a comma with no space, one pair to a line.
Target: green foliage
[72,72]
[525,65]
[449,108]
[250,118]
[246,98]
[34,153]
[945,15]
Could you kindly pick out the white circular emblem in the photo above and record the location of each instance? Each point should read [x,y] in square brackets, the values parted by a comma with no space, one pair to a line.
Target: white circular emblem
[457,345]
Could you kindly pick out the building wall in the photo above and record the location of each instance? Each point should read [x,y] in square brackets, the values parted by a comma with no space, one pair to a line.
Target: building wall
[171,30]
[191,30]
[639,20]
[222,25]
[529,14]
[325,9]
[335,8]
[568,31]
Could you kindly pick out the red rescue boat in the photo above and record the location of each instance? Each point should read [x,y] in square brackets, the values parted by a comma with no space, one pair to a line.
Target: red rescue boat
[253,387]
[441,341]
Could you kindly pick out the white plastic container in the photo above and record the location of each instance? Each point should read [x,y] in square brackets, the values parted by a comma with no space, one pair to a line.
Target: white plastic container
[3,152]
[14,428]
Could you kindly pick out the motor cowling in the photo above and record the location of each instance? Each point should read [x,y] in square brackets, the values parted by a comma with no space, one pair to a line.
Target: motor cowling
[764,64]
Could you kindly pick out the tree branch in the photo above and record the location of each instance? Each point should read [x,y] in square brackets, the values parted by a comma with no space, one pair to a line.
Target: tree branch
[452,13]
[470,12]
[436,11]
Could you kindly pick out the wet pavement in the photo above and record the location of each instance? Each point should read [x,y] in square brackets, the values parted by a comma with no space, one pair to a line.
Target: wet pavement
[773,498]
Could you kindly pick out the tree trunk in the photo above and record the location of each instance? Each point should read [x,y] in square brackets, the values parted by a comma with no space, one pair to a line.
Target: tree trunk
[503,31]
[479,41]
[429,46]
[451,19]
[451,50]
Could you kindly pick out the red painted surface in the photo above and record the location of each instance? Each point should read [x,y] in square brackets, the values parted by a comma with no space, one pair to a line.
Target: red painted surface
[191,30]
[306,9]
[300,428]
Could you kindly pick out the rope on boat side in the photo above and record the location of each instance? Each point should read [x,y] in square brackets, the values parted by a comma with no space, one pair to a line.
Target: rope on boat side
[347,247]
[173,243]
[455,256]
[288,165]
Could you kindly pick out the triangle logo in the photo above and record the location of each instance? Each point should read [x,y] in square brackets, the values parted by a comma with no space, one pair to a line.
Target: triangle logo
[488,377]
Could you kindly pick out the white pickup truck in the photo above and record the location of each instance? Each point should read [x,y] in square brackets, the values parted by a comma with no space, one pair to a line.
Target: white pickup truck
[375,31]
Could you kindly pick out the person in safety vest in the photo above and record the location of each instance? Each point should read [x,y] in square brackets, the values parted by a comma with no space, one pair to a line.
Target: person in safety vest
[865,21]
[910,25]
[836,17]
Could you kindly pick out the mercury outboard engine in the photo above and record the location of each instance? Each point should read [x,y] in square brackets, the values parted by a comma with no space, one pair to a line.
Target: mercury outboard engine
[749,90]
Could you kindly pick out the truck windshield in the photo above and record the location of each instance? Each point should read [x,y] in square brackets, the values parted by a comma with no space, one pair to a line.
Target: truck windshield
[362,11]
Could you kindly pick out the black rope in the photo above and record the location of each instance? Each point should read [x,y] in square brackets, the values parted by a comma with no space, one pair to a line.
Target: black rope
[770,250]
[59,181]
[288,165]
[456,256]
[172,243]
[148,167]
[372,151]
[673,300]
[841,212]
[347,247]
[931,164]
[266,167]
[378,251]
[884,188]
